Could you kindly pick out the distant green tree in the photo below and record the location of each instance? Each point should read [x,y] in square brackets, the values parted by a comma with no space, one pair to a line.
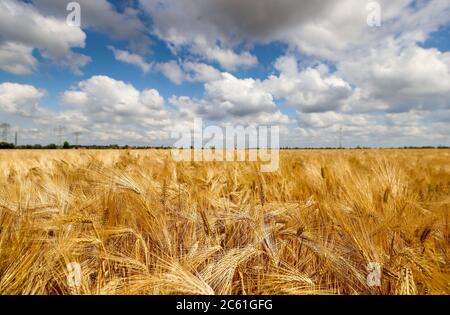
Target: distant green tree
[5,145]
[51,146]
[66,145]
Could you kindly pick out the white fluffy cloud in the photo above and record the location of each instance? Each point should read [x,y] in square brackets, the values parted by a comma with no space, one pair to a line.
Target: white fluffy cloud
[101,107]
[233,100]
[310,90]
[329,29]
[113,110]
[101,16]
[107,100]
[131,58]
[368,129]
[187,71]
[40,25]
[226,57]
[239,97]
[20,106]
[200,72]
[191,24]
[175,71]
[20,99]
[17,58]
[172,71]
[399,79]
[23,28]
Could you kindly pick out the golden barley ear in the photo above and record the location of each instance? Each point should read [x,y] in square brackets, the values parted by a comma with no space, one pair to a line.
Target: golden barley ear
[164,194]
[425,233]
[323,172]
[206,224]
[261,191]
[406,284]
[386,195]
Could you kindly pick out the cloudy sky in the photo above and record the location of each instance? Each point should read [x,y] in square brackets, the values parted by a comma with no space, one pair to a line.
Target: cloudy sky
[135,70]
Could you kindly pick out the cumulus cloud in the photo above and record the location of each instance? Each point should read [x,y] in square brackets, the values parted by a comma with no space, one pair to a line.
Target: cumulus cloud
[400,79]
[193,24]
[190,108]
[102,16]
[105,108]
[107,100]
[17,58]
[239,97]
[310,90]
[20,106]
[200,72]
[228,21]
[367,129]
[233,100]
[324,28]
[226,57]
[109,109]
[175,71]
[20,99]
[172,71]
[23,28]
[187,71]
[131,58]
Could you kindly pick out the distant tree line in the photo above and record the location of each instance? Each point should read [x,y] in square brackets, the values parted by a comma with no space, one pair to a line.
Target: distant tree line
[66,145]
[6,145]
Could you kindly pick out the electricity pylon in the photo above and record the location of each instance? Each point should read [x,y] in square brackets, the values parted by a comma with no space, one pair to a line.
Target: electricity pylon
[77,134]
[59,131]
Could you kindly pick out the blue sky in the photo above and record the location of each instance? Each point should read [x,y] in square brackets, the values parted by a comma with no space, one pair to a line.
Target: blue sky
[135,71]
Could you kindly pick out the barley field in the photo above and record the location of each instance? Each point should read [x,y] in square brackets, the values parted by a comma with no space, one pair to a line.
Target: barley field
[137,222]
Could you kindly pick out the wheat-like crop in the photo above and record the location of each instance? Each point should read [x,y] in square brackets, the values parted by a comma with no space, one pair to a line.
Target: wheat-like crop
[139,223]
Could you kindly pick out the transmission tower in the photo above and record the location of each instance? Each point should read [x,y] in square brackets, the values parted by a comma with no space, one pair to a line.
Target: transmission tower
[77,135]
[340,137]
[16,135]
[59,132]
[4,127]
